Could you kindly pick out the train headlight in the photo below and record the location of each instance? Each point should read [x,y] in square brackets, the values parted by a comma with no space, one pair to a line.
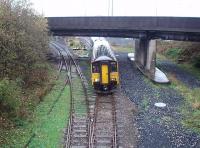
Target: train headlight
[113,79]
[96,80]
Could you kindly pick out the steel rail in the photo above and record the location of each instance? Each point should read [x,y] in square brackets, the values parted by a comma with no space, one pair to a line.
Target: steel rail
[68,70]
[94,122]
[72,61]
[68,140]
[114,121]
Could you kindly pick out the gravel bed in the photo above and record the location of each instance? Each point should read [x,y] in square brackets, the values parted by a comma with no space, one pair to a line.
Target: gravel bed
[126,129]
[157,127]
[184,76]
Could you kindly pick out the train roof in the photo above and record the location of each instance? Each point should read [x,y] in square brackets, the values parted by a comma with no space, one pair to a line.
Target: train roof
[103,58]
[102,48]
[97,38]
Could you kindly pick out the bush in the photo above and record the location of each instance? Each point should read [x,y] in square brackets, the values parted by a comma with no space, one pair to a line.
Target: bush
[24,43]
[196,62]
[173,53]
[23,38]
[37,76]
[9,98]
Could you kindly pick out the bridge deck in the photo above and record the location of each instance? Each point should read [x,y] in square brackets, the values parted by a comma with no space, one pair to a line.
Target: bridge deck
[177,28]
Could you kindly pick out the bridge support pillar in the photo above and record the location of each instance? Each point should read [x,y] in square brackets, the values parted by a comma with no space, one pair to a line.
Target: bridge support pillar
[145,60]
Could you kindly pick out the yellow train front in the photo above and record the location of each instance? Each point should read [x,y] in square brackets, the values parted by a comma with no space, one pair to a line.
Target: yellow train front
[104,68]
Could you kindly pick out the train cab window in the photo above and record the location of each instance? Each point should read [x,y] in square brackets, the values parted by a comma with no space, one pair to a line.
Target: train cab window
[95,68]
[113,66]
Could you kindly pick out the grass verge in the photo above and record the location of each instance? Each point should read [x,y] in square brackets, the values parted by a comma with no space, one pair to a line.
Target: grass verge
[123,48]
[47,128]
[191,107]
[80,105]
[191,68]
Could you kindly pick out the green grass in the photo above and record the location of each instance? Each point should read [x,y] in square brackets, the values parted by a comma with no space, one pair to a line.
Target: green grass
[191,68]
[48,128]
[145,104]
[123,49]
[79,98]
[173,53]
[160,57]
[191,107]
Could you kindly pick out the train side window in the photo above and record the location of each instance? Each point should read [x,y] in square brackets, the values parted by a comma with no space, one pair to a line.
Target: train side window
[113,66]
[95,68]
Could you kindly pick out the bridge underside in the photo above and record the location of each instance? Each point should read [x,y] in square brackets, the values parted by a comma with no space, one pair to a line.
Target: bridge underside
[178,36]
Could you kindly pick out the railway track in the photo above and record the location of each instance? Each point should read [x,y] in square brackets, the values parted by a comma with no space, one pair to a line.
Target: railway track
[104,133]
[77,131]
[92,121]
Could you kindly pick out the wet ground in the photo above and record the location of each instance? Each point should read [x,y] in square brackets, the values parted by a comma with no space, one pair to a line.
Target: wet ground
[157,127]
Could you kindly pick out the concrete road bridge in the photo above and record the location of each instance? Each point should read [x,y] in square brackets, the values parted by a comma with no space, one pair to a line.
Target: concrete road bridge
[144,29]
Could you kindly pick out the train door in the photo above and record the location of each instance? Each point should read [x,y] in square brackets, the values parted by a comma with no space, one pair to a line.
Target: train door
[104,74]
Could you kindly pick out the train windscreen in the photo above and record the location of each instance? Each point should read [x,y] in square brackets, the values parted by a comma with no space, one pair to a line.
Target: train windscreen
[113,66]
[95,68]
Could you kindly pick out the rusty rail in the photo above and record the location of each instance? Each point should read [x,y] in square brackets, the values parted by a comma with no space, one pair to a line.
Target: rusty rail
[68,66]
[114,122]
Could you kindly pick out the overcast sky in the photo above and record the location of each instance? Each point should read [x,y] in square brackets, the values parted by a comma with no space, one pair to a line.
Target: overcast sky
[189,8]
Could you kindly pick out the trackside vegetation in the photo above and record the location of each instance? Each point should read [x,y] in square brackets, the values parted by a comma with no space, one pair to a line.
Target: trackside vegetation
[45,127]
[181,52]
[25,75]
[28,84]
[187,56]
[191,107]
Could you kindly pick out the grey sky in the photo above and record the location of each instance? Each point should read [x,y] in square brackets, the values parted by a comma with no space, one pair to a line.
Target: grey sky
[120,7]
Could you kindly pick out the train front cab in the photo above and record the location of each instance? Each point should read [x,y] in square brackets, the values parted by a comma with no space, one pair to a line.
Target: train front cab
[105,75]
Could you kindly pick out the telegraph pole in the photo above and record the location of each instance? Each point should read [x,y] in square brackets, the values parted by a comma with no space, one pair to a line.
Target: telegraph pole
[112,8]
[108,7]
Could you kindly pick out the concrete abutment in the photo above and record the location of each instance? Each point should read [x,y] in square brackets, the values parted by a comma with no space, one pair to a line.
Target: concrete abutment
[145,60]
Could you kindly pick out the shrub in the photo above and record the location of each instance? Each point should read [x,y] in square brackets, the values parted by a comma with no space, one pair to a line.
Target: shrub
[196,62]
[9,98]
[173,53]
[24,43]
[23,38]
